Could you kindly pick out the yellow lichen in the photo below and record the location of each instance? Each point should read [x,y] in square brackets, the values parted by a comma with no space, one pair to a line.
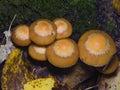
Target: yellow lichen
[15,73]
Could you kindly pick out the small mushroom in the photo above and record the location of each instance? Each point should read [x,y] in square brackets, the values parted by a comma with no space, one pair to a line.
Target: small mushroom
[64,28]
[20,35]
[63,53]
[96,48]
[42,32]
[37,52]
[112,67]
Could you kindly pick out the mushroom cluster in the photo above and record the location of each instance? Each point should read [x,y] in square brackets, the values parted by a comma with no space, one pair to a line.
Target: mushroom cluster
[48,40]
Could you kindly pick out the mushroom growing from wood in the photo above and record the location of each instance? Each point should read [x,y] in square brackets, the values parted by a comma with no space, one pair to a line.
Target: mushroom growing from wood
[20,35]
[96,48]
[37,52]
[63,53]
[42,32]
[64,28]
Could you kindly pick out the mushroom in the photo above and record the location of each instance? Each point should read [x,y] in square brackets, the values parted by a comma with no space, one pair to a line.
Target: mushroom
[96,48]
[42,32]
[37,52]
[64,28]
[63,53]
[20,35]
[111,67]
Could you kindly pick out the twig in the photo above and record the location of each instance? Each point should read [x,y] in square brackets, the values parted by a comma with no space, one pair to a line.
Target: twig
[12,22]
[91,87]
[7,35]
[6,49]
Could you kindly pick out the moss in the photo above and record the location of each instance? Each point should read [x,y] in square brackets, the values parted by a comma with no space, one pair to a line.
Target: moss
[81,13]
[110,25]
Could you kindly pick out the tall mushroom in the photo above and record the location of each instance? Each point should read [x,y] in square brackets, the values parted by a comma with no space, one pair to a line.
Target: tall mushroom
[96,48]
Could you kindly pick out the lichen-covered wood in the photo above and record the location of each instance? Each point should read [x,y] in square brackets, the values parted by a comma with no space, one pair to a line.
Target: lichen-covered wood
[16,71]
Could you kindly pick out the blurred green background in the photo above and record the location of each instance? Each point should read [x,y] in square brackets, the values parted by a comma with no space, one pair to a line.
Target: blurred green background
[81,13]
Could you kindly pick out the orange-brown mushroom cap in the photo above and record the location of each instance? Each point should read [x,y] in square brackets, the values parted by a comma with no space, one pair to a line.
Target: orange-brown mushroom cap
[112,67]
[63,53]
[20,35]
[64,28]
[96,48]
[42,32]
[37,52]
